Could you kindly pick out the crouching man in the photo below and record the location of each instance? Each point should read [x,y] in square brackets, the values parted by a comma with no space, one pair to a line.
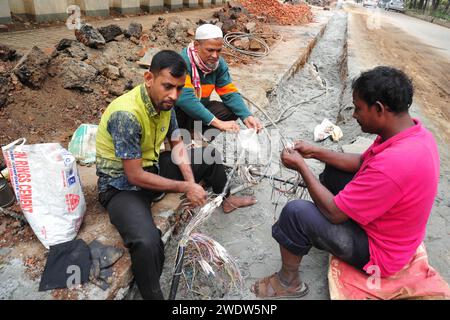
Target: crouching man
[132,173]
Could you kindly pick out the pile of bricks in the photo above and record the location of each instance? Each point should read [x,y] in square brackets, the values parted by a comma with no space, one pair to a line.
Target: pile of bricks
[276,12]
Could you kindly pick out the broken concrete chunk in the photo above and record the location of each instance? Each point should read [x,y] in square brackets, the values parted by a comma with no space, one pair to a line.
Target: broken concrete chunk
[32,68]
[234,5]
[99,62]
[90,37]
[111,72]
[6,53]
[64,43]
[78,75]
[110,32]
[255,45]
[134,30]
[242,43]
[250,27]
[190,32]
[77,50]
[228,25]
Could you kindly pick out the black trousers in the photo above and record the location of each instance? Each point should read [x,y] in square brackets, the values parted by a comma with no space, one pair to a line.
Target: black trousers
[301,226]
[217,108]
[130,213]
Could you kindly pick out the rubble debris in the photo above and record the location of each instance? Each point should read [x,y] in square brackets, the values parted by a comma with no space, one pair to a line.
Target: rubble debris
[111,72]
[110,32]
[32,68]
[6,53]
[177,29]
[78,75]
[64,43]
[99,62]
[147,58]
[276,12]
[117,89]
[134,30]
[77,50]
[5,87]
[235,19]
[90,37]
[228,26]
[255,45]
[250,27]
[320,3]
[173,33]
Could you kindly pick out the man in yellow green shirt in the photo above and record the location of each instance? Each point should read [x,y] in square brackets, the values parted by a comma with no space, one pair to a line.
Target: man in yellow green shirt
[132,172]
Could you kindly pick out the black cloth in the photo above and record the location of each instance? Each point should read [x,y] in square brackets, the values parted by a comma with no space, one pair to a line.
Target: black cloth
[67,263]
[130,212]
[334,179]
[217,108]
[301,226]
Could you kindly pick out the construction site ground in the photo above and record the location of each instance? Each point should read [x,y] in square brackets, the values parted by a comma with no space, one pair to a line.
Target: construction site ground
[337,46]
[22,256]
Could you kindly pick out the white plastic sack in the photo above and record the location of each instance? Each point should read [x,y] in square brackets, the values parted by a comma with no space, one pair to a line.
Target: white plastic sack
[326,129]
[82,144]
[47,186]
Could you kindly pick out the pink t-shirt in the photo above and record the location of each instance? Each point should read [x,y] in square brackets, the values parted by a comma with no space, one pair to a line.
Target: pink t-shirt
[391,196]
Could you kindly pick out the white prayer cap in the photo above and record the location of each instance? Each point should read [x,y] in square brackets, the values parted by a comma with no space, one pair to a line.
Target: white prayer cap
[208,31]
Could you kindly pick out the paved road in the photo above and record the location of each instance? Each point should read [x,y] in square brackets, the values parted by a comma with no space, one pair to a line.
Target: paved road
[428,33]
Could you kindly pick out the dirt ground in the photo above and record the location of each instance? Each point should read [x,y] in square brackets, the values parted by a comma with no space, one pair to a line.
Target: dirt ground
[246,234]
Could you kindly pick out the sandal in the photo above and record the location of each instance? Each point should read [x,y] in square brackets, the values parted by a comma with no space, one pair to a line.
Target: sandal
[261,288]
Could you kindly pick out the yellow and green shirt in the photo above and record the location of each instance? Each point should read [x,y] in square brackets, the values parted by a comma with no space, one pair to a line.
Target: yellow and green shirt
[130,128]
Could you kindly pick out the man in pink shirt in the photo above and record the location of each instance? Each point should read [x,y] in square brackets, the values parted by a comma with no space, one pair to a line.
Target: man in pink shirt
[370,210]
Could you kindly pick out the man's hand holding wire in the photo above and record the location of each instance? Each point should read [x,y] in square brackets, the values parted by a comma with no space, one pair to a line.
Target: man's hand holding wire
[292,159]
[196,195]
[252,123]
[305,149]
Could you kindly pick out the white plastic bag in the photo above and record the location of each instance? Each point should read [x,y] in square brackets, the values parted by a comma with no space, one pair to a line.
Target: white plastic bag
[248,140]
[82,144]
[47,186]
[326,129]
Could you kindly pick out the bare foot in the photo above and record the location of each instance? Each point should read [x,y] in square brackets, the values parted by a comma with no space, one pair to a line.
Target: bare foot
[233,202]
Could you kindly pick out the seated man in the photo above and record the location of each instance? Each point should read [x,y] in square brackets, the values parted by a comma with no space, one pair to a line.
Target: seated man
[132,172]
[207,71]
[378,220]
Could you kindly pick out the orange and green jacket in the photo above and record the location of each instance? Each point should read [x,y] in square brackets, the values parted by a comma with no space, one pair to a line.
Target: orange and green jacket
[218,80]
